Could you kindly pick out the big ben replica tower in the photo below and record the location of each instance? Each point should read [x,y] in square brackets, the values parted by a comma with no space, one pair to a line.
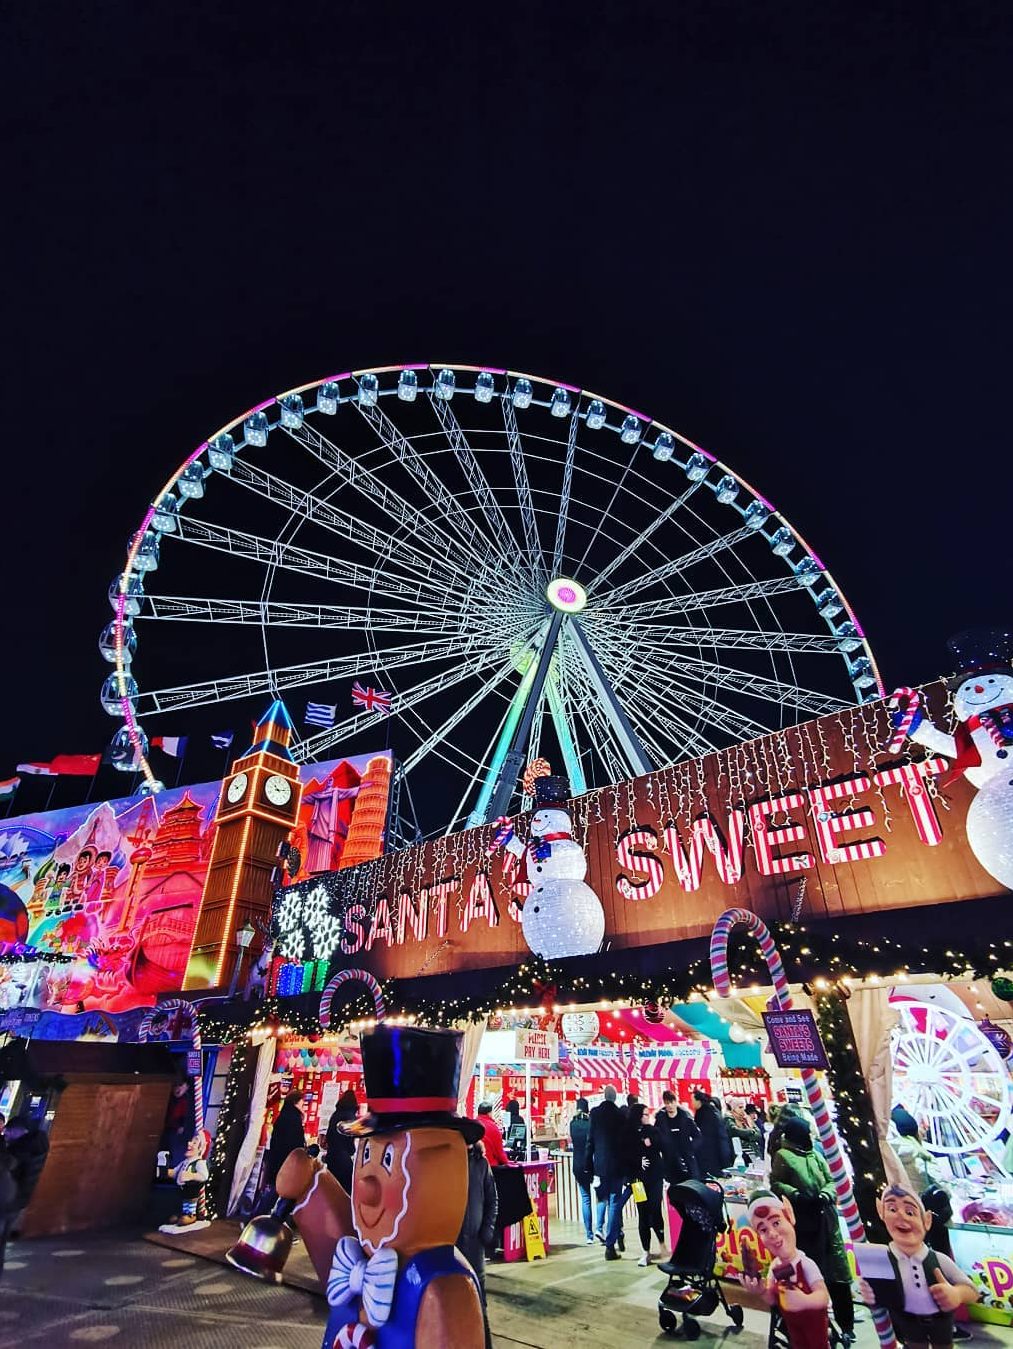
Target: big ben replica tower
[257,810]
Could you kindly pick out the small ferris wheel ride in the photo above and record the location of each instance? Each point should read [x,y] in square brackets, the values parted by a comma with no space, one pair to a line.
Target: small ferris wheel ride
[526,566]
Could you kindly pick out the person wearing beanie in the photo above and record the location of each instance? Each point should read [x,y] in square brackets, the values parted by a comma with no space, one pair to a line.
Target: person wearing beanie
[339,1148]
[801,1175]
[495,1152]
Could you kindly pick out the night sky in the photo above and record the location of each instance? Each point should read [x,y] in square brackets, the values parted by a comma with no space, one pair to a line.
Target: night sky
[784,230]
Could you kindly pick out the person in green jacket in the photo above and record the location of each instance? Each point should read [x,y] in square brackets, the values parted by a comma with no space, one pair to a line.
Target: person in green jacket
[800,1174]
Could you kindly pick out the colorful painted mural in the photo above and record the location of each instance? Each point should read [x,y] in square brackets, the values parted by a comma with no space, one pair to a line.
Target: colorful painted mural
[113,890]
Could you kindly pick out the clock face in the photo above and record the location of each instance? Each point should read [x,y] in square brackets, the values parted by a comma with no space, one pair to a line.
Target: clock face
[278,790]
[237,788]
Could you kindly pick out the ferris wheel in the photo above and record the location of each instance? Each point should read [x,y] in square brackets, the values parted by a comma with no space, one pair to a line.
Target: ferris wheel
[527,567]
[951,1079]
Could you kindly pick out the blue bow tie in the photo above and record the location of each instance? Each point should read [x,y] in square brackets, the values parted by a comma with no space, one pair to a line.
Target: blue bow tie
[372,1279]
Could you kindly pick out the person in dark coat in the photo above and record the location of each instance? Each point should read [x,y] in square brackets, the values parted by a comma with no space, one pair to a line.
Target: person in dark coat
[580,1139]
[516,1131]
[680,1139]
[340,1147]
[287,1135]
[478,1230]
[21,1164]
[715,1152]
[801,1175]
[607,1165]
[644,1162]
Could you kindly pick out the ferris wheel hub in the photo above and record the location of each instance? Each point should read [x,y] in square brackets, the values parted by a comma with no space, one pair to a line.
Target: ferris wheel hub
[566,595]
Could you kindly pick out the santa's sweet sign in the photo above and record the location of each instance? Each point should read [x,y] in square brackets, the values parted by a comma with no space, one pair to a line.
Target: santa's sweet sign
[657,859]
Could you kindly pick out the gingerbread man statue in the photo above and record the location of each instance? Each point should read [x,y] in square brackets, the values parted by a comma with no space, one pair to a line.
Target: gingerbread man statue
[386,1254]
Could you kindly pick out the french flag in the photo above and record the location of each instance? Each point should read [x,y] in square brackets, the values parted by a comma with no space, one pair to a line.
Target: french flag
[173,745]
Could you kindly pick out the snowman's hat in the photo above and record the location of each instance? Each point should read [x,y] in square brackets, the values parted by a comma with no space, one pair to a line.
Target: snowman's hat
[552,790]
[980,651]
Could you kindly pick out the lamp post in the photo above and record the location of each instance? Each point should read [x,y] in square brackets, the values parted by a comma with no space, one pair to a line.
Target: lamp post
[244,936]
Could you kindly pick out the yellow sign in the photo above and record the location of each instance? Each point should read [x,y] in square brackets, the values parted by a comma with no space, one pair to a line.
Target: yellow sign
[534,1246]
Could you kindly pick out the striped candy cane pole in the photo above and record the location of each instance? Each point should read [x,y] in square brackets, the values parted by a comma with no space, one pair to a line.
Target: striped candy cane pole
[192,1027]
[345,977]
[732,918]
[910,699]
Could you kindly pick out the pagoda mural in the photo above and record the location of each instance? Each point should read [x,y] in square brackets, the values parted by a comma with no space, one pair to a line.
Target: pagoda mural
[119,887]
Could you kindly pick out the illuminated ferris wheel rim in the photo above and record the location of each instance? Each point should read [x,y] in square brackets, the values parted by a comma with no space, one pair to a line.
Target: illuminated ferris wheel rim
[363,388]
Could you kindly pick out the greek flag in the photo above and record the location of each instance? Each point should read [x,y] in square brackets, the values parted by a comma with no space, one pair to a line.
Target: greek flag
[320,714]
[223,740]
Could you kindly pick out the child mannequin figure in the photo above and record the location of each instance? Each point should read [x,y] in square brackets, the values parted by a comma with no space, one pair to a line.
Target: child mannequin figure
[793,1283]
[191,1175]
[927,1287]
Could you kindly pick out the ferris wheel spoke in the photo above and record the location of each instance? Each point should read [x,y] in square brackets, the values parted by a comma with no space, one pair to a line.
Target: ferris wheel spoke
[443,503]
[666,664]
[586,709]
[670,510]
[564,496]
[711,599]
[635,685]
[738,639]
[477,481]
[314,509]
[522,485]
[558,693]
[286,556]
[442,732]
[354,474]
[276,613]
[674,567]
[727,719]
[274,681]
[304,751]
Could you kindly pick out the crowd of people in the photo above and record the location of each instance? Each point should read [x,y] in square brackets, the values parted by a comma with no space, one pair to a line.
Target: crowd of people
[619,1153]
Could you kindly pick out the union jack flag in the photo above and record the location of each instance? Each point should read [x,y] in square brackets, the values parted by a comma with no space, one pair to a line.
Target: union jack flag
[373,700]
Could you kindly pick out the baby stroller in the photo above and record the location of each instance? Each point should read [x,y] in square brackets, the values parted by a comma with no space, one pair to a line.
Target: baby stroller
[693,1288]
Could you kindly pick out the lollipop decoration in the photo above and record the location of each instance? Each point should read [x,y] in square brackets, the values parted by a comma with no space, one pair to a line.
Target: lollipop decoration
[351,977]
[781,1001]
[906,703]
[504,832]
[537,768]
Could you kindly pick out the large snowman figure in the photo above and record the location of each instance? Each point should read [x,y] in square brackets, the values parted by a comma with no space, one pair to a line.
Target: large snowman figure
[982,745]
[562,916]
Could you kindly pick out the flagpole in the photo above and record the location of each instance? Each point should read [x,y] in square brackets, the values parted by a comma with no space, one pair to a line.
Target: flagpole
[91,787]
[179,768]
[52,789]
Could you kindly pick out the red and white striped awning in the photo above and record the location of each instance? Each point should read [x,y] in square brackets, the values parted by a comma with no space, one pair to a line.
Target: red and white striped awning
[699,1068]
[605,1068]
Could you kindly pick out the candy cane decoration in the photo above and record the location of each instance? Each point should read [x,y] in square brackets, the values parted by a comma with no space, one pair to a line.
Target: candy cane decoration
[731,918]
[910,699]
[191,1026]
[504,832]
[355,977]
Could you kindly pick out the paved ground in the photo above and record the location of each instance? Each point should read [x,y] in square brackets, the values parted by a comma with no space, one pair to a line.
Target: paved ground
[121,1290]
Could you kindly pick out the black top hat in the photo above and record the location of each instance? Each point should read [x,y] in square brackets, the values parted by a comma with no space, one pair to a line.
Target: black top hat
[552,790]
[980,651]
[412,1075]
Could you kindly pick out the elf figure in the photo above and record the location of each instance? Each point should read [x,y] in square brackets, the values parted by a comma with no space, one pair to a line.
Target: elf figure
[926,1287]
[191,1175]
[793,1283]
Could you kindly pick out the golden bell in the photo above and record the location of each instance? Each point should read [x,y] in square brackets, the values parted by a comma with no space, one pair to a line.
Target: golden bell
[262,1248]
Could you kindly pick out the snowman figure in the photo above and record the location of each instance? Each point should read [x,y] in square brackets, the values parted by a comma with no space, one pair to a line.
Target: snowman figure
[982,745]
[561,916]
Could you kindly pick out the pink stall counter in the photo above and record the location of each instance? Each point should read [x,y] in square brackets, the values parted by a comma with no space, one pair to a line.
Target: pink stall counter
[540,1178]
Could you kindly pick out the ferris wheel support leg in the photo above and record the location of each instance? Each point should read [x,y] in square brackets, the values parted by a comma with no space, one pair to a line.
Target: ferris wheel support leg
[513,762]
[636,755]
[567,744]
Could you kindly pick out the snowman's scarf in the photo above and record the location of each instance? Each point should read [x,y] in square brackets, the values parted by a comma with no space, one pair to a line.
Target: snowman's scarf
[997,721]
[539,848]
